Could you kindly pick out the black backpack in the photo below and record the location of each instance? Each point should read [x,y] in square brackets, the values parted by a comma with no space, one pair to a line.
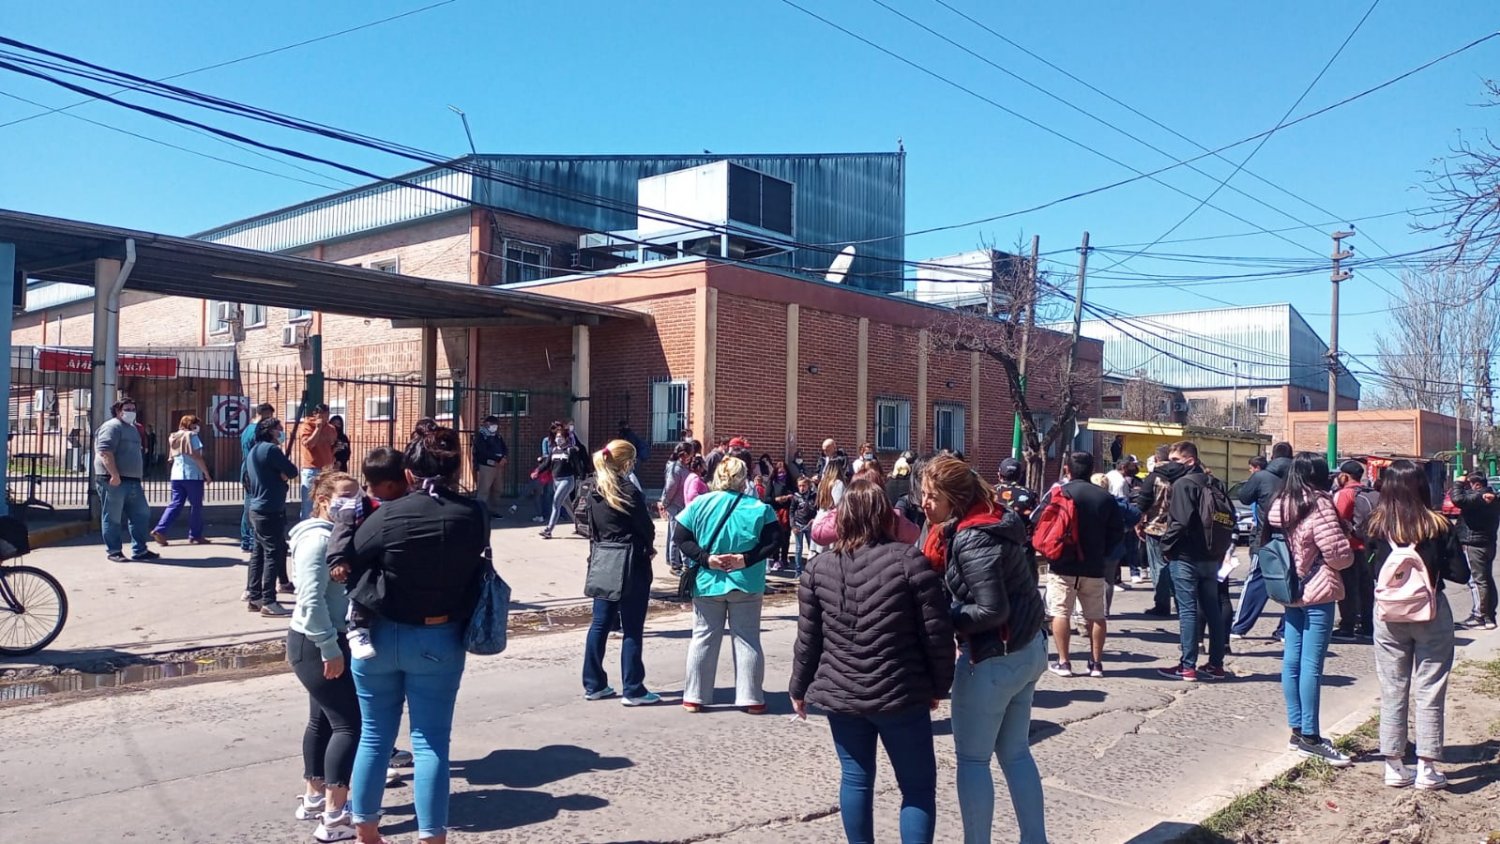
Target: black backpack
[1216,515]
[583,501]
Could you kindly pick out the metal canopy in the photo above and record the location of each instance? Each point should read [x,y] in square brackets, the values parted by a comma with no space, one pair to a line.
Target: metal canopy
[64,250]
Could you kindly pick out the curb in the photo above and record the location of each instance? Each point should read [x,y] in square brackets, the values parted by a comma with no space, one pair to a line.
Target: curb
[58,534]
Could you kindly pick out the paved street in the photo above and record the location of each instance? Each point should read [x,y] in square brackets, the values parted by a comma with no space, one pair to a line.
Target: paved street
[1126,758]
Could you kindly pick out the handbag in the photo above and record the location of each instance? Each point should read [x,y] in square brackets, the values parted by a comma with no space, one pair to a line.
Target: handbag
[609,564]
[689,574]
[489,625]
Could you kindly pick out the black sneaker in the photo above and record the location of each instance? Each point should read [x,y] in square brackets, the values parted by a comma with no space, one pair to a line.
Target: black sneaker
[1344,635]
[1158,612]
[145,556]
[117,557]
[1473,622]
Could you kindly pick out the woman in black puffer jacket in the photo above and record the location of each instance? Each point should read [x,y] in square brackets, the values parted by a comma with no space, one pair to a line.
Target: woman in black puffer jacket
[980,548]
[875,651]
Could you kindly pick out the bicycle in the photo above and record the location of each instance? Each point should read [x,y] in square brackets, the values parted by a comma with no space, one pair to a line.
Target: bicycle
[33,605]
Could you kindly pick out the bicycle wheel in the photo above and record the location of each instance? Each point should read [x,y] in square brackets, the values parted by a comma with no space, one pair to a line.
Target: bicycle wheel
[33,609]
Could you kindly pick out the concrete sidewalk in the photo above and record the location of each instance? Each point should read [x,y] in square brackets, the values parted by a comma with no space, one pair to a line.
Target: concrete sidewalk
[190,598]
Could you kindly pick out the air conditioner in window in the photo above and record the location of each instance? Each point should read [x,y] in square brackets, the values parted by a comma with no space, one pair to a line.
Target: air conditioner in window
[294,335]
[1180,407]
[226,312]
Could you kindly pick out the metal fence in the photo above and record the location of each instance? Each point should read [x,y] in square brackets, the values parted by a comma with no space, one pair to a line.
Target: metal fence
[51,462]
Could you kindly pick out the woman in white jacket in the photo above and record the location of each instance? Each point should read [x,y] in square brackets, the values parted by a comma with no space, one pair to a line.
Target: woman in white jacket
[319,653]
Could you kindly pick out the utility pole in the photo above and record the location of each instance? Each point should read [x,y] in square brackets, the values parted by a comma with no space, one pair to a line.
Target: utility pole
[1030,305]
[1083,268]
[1234,405]
[1337,276]
[467,134]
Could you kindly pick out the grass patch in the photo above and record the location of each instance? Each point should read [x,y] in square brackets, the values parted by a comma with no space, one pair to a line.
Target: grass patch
[1487,675]
[1306,776]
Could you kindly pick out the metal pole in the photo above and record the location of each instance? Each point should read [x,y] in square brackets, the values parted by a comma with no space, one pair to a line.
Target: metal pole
[8,277]
[1234,406]
[1083,269]
[1030,305]
[1336,276]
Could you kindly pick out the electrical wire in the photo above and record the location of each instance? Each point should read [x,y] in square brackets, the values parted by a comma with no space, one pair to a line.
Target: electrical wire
[239,59]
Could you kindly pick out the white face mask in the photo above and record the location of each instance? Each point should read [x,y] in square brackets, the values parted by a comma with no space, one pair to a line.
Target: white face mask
[491,428]
[128,417]
[194,429]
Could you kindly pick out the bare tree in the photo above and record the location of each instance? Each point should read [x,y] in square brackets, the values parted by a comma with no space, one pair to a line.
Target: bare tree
[1465,189]
[1432,353]
[1048,403]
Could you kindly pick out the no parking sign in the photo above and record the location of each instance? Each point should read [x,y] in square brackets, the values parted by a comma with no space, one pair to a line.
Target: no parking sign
[230,414]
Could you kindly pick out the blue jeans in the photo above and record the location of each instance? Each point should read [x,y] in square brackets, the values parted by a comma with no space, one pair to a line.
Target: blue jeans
[1197,587]
[907,737]
[420,667]
[247,536]
[992,715]
[1307,633]
[307,476]
[560,489]
[630,613]
[674,554]
[804,540]
[189,494]
[1161,577]
[124,507]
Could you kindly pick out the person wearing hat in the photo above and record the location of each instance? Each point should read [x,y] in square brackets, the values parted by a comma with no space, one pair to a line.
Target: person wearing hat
[1354,503]
[490,455]
[1012,493]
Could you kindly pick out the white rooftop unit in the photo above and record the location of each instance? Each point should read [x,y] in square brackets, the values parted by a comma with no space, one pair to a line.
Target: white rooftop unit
[957,280]
[721,209]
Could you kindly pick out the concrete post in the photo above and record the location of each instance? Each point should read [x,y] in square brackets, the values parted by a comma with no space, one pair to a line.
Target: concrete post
[429,373]
[8,281]
[581,385]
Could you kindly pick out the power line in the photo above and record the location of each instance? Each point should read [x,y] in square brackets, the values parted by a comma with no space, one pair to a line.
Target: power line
[234,61]
[1262,142]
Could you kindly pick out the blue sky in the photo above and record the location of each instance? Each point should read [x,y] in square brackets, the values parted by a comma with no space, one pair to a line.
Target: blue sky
[758,75]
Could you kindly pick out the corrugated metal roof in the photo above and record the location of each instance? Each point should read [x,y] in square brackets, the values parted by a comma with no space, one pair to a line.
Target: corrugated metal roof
[841,198]
[1271,344]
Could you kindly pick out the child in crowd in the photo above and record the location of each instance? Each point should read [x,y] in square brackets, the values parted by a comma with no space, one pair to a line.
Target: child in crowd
[385,480]
[804,509]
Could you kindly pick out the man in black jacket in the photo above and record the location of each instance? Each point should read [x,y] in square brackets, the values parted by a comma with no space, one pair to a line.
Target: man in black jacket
[1479,516]
[1081,576]
[1263,486]
[1195,574]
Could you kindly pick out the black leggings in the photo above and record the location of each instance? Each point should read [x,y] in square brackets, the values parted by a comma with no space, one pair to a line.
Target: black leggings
[332,733]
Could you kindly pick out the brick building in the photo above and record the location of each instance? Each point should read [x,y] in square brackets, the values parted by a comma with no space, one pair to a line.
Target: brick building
[721,346]
[1411,433]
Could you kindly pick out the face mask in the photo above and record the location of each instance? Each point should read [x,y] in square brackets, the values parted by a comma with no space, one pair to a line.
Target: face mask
[869,457]
[281,436]
[194,429]
[570,427]
[128,417]
[490,429]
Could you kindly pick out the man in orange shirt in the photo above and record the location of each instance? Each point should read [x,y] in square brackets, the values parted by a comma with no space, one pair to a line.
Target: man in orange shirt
[316,441]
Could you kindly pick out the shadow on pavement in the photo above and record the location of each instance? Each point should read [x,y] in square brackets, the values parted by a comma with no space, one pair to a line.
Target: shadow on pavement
[520,768]
[1170,831]
[181,563]
[1057,698]
[495,809]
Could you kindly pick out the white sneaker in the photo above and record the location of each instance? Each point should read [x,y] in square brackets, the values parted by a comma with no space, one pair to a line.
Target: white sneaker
[1428,777]
[359,644]
[401,758]
[1326,751]
[1397,775]
[338,827]
[392,777]
[309,808]
[1136,580]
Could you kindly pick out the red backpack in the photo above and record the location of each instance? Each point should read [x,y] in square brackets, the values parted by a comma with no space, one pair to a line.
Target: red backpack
[1056,534]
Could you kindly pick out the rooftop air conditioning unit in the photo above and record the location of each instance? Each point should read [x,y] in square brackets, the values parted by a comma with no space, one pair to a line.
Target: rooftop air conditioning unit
[294,335]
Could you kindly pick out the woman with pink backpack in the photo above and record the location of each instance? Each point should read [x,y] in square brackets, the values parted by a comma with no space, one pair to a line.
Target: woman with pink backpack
[1413,550]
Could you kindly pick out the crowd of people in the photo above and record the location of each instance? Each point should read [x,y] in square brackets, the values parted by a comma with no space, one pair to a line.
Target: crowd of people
[914,586]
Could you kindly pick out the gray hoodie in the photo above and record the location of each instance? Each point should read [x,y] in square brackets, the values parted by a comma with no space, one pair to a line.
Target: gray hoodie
[322,604]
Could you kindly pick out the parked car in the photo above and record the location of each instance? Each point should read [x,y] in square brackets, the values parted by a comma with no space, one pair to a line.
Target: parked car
[1244,516]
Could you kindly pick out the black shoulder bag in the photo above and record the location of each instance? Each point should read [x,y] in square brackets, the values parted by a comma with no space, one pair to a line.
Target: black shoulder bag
[690,572]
